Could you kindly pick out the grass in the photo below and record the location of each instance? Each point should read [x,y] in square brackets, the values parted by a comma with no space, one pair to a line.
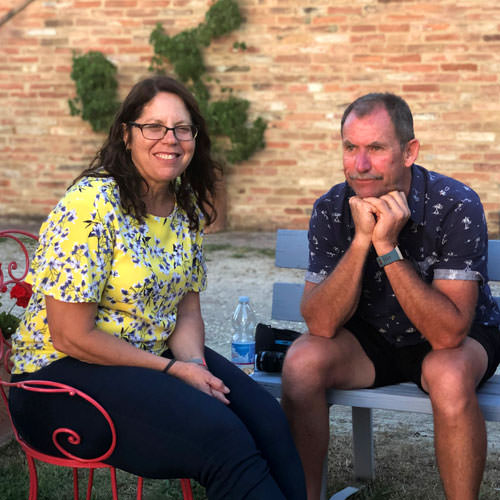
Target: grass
[57,482]
[405,470]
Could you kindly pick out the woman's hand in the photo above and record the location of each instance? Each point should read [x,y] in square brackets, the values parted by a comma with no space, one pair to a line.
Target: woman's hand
[200,377]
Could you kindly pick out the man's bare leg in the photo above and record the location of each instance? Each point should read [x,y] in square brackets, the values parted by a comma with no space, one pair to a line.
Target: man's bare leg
[312,365]
[451,377]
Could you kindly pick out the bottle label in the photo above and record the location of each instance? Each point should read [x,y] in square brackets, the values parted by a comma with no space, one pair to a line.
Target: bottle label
[243,353]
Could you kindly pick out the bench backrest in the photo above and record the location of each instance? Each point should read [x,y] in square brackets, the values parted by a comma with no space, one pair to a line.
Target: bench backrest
[292,252]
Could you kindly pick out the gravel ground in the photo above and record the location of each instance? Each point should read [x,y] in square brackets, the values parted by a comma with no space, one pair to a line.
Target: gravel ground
[241,263]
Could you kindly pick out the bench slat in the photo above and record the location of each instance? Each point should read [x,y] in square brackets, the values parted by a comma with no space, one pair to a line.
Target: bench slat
[286,301]
[400,397]
[292,248]
[494,260]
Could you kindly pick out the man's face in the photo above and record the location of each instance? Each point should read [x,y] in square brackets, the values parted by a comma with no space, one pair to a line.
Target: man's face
[374,163]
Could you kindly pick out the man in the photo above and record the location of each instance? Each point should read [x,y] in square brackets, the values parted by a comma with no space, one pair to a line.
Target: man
[396,291]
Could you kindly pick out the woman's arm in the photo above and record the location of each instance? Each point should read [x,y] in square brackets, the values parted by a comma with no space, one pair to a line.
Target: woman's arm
[187,343]
[73,332]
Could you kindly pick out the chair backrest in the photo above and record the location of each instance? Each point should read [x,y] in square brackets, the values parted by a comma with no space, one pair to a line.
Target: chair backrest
[15,249]
[292,252]
[12,273]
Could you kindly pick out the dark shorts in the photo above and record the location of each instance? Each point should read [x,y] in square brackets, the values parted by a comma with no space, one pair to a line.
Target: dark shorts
[395,364]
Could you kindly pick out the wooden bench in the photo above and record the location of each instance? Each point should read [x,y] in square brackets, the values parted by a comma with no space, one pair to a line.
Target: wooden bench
[292,252]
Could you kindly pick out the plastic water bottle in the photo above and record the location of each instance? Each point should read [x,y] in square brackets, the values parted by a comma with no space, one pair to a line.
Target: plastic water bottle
[243,344]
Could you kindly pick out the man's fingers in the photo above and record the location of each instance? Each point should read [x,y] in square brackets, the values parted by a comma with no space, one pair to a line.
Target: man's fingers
[395,202]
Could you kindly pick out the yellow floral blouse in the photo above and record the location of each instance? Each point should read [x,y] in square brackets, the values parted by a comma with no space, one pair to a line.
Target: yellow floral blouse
[91,251]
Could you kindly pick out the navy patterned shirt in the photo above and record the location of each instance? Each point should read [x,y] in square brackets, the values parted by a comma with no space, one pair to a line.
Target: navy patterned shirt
[445,238]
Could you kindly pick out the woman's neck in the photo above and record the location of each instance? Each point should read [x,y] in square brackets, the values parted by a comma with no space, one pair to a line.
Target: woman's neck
[159,202]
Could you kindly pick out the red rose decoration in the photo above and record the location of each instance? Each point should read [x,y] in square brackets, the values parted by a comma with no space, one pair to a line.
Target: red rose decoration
[22,293]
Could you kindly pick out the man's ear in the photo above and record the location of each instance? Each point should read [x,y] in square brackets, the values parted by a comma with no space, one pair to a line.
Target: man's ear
[411,152]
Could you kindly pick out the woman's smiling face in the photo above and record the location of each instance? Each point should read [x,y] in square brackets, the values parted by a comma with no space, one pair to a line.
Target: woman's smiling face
[160,161]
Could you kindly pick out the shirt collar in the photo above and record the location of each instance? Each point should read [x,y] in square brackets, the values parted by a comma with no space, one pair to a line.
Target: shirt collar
[416,203]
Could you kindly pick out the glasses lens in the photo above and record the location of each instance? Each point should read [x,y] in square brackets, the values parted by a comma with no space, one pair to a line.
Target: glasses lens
[153,131]
[184,132]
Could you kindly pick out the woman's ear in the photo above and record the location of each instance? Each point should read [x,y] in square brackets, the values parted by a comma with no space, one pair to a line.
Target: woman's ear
[125,136]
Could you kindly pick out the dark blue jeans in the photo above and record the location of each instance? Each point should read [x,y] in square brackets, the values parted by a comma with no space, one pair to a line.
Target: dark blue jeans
[168,429]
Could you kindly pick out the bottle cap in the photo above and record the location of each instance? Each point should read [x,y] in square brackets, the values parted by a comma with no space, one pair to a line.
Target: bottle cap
[243,299]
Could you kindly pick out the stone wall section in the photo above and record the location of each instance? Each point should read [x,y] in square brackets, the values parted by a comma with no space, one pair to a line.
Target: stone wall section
[304,63]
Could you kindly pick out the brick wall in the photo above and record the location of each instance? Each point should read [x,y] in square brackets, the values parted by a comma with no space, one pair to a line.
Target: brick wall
[305,62]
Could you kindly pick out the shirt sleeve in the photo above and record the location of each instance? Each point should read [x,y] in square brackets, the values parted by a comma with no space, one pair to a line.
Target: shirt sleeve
[464,242]
[74,257]
[325,245]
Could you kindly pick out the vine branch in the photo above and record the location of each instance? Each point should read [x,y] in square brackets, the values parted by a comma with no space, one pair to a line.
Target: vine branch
[14,12]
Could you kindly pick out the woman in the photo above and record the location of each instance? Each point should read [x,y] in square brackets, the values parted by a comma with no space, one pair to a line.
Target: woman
[116,313]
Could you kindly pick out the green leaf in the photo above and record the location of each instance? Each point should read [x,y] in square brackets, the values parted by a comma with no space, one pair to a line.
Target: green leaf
[8,324]
[96,89]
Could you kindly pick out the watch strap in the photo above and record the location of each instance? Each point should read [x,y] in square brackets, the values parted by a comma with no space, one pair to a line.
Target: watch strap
[388,258]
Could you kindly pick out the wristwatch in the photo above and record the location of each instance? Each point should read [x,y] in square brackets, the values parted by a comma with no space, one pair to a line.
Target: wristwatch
[389,258]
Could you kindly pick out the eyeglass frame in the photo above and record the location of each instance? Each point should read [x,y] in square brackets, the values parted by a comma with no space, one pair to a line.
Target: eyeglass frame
[194,131]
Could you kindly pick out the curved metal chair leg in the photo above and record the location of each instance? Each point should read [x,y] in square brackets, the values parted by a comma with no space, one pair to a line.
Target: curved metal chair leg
[114,488]
[75,483]
[90,483]
[187,491]
[33,478]
[140,482]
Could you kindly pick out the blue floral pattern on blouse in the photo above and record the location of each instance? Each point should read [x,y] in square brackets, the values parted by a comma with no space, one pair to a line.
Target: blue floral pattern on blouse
[90,250]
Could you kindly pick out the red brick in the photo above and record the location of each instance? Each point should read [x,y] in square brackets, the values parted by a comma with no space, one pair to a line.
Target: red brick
[365,28]
[420,88]
[459,67]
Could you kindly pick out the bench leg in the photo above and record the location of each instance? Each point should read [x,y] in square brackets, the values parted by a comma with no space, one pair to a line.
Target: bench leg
[362,440]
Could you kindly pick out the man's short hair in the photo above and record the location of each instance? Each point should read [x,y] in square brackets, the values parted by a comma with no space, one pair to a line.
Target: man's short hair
[396,107]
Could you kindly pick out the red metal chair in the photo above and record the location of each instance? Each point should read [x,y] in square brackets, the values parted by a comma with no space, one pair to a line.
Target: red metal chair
[7,281]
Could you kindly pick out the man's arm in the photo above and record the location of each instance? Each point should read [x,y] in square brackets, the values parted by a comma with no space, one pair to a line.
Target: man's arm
[329,305]
[442,311]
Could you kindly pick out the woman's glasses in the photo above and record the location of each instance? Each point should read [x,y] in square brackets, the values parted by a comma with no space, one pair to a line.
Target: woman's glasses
[156,131]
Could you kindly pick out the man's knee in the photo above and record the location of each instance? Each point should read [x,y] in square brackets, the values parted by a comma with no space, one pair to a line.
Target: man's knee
[449,382]
[305,366]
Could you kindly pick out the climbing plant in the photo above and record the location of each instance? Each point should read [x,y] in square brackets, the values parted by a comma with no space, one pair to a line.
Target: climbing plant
[96,90]
[183,52]
[227,119]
